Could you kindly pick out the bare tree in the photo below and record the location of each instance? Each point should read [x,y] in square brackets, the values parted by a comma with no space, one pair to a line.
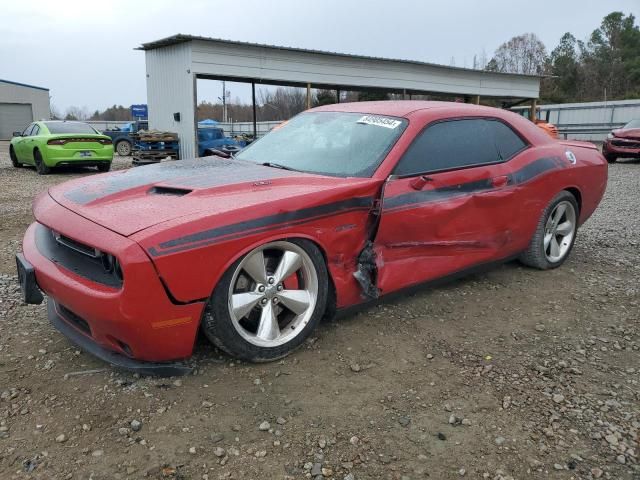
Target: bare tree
[522,54]
[76,113]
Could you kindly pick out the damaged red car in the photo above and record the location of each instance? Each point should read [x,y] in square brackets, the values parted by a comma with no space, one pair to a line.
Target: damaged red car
[341,205]
[623,142]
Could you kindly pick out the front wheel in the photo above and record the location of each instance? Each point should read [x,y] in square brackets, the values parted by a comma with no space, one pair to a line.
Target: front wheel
[555,234]
[269,301]
[41,168]
[14,158]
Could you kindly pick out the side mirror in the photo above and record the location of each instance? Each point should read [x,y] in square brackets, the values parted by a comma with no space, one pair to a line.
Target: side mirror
[418,183]
[16,134]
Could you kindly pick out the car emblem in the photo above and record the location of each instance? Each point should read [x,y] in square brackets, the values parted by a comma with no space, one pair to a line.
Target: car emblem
[571,157]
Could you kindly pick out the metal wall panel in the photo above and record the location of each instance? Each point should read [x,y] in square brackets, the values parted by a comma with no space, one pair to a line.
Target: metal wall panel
[37,98]
[590,121]
[170,90]
[13,118]
[217,58]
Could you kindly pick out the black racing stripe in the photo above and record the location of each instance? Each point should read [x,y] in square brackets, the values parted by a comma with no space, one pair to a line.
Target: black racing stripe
[206,172]
[437,194]
[525,174]
[208,237]
[538,167]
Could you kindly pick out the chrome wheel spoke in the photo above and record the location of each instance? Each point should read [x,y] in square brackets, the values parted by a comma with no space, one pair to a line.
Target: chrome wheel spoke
[255,267]
[295,300]
[243,303]
[547,241]
[565,228]
[560,209]
[289,263]
[554,247]
[268,328]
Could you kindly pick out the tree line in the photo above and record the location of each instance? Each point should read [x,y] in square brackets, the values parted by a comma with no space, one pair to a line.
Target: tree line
[605,66]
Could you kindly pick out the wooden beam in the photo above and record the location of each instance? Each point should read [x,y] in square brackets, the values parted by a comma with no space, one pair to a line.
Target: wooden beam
[308,96]
[534,107]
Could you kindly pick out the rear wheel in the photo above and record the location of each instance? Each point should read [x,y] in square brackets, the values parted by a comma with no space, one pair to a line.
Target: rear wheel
[269,301]
[14,158]
[41,168]
[123,148]
[555,234]
[104,166]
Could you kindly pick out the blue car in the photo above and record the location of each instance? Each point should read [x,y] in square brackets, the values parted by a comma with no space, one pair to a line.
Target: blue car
[213,138]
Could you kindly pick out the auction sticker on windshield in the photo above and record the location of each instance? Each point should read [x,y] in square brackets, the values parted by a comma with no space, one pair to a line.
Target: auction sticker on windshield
[379,121]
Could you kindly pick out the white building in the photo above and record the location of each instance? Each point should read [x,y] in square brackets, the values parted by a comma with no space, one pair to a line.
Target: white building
[21,104]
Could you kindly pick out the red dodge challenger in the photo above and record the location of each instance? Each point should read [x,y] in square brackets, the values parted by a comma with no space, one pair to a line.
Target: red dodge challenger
[342,204]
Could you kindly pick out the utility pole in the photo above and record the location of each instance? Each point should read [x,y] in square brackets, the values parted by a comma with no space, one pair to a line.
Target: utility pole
[224,102]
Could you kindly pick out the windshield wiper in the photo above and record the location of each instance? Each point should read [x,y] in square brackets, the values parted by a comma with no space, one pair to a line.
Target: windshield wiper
[277,165]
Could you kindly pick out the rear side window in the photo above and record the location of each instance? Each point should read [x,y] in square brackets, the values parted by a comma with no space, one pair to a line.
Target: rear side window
[34,131]
[27,131]
[507,141]
[459,143]
[69,127]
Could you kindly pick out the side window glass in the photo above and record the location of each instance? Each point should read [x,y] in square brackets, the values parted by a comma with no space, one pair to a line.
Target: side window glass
[448,145]
[27,131]
[507,141]
[34,131]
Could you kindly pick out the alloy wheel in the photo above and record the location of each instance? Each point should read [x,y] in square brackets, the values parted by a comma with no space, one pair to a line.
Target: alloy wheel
[273,294]
[559,231]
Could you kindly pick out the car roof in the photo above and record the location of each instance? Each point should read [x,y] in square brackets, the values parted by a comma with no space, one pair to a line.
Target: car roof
[403,108]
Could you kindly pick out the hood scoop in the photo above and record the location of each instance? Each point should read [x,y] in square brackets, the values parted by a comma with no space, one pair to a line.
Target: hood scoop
[175,191]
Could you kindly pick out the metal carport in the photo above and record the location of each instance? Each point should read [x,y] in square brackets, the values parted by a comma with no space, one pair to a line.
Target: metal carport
[174,64]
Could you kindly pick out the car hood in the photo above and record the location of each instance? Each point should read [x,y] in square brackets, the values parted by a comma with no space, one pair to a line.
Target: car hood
[128,201]
[627,133]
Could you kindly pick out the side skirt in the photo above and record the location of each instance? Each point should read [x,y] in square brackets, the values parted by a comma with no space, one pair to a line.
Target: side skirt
[480,268]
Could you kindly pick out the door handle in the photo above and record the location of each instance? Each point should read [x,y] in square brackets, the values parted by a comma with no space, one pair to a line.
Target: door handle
[499,182]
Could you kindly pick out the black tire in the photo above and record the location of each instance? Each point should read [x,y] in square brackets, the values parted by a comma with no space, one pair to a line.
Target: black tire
[535,255]
[104,166]
[610,158]
[220,330]
[41,168]
[123,148]
[14,158]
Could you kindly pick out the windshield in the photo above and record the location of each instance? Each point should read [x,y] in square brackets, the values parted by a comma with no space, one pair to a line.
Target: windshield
[633,124]
[69,127]
[329,143]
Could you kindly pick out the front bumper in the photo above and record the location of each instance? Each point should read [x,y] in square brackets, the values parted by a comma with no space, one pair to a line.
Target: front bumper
[622,148]
[63,325]
[137,321]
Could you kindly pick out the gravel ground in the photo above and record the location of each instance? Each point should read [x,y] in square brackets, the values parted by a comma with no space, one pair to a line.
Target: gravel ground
[509,374]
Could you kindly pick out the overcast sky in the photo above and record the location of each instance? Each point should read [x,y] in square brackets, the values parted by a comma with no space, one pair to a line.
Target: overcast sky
[83,50]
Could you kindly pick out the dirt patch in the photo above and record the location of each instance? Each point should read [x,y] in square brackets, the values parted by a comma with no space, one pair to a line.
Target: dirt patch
[513,373]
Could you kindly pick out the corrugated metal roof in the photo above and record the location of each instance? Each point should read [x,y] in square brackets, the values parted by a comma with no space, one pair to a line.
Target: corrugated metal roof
[23,84]
[183,38]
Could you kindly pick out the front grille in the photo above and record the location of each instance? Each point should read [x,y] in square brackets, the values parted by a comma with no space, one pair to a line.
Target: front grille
[75,245]
[77,257]
[626,143]
[74,319]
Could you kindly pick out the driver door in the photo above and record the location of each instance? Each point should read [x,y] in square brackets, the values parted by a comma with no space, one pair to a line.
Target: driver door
[448,206]
[21,144]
